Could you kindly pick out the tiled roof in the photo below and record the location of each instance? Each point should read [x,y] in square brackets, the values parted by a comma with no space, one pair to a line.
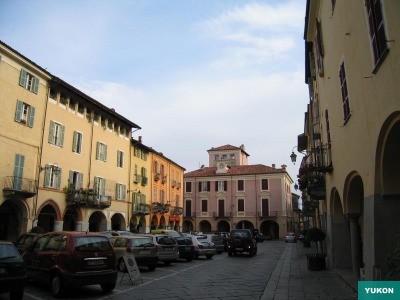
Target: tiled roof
[234,170]
[225,147]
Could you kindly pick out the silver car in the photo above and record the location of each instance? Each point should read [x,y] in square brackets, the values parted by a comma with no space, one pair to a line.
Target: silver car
[167,248]
[203,246]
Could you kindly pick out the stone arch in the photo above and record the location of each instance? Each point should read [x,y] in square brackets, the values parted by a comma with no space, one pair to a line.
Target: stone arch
[118,222]
[205,226]
[271,228]
[384,201]
[54,205]
[154,222]
[223,226]
[244,224]
[14,216]
[187,226]
[97,221]
[72,215]
[353,194]
[49,216]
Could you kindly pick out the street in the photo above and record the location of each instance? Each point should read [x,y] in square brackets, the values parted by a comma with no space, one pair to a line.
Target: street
[264,276]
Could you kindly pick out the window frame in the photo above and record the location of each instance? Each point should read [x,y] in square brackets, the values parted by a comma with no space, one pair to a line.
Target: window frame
[120,191]
[77,141]
[52,176]
[28,81]
[24,113]
[56,134]
[101,151]
[240,184]
[344,92]
[120,159]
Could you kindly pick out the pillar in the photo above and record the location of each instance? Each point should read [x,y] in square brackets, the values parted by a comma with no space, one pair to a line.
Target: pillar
[355,244]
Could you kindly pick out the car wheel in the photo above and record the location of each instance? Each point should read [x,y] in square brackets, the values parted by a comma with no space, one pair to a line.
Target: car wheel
[108,287]
[209,256]
[56,285]
[121,265]
[17,295]
[167,263]
[151,268]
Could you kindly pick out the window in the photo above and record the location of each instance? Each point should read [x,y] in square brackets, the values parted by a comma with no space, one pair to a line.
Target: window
[121,191]
[75,179]
[63,99]
[223,156]
[240,204]
[320,50]
[28,81]
[144,155]
[101,152]
[345,95]
[204,186]
[221,186]
[162,196]
[376,30]
[264,184]
[56,135]
[240,185]
[18,171]
[216,157]
[100,186]
[24,113]
[143,173]
[188,208]
[232,156]
[188,187]
[77,142]
[52,176]
[53,94]
[264,207]
[120,159]
[155,194]
[204,205]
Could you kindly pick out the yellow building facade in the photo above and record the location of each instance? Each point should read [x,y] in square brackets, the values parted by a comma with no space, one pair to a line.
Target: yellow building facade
[352,132]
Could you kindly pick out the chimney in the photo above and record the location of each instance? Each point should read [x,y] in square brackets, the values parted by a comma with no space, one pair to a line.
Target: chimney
[284,167]
[140,139]
[273,165]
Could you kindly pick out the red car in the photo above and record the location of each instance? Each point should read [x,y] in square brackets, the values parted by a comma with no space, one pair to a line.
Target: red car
[72,259]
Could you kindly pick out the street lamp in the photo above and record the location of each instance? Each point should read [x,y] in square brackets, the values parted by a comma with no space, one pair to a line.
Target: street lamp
[293,156]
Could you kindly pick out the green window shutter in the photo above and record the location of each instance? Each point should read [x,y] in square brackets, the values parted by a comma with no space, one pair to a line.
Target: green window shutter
[22,78]
[123,192]
[61,139]
[96,184]
[80,180]
[58,178]
[105,153]
[31,117]
[75,142]
[51,132]
[47,175]
[18,111]
[18,171]
[71,177]
[35,85]
[118,158]
[98,150]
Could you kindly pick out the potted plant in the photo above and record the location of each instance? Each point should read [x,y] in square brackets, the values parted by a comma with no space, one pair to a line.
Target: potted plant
[315,261]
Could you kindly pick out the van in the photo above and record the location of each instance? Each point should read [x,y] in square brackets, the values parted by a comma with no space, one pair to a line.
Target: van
[169,232]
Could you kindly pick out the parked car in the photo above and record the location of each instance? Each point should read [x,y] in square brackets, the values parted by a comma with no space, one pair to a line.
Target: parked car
[167,248]
[203,246]
[218,242]
[186,247]
[169,232]
[242,241]
[291,238]
[25,240]
[225,237]
[110,233]
[71,259]
[140,247]
[12,271]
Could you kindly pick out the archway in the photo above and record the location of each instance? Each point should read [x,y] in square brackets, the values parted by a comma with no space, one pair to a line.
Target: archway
[118,222]
[70,219]
[47,218]
[187,226]
[270,228]
[223,226]
[13,219]
[154,222]
[244,225]
[205,226]
[97,222]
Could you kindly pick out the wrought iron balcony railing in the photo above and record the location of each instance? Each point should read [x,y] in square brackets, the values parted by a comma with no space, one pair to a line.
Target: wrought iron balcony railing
[18,187]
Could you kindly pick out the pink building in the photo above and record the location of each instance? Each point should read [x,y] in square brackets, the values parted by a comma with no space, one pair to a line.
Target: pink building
[230,193]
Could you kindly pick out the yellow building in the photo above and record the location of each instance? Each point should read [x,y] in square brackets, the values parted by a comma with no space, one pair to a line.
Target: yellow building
[23,93]
[352,132]
[167,193]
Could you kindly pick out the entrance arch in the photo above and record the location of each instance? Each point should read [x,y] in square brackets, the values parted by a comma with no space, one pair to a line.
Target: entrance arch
[118,222]
[205,226]
[13,219]
[97,222]
[187,226]
[71,217]
[244,225]
[271,228]
[49,214]
[223,226]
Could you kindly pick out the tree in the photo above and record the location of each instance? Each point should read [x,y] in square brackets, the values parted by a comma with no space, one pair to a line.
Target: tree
[315,235]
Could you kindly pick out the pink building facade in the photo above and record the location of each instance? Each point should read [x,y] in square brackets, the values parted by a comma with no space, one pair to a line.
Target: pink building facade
[230,194]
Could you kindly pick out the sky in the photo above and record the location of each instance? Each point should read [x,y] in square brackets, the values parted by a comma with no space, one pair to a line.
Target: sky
[193,74]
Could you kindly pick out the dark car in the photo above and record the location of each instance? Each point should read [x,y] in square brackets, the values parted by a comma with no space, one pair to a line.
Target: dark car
[25,240]
[218,242]
[72,259]
[186,248]
[12,271]
[242,241]
[141,247]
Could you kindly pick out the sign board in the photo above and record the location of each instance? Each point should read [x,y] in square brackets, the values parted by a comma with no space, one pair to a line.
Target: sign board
[132,268]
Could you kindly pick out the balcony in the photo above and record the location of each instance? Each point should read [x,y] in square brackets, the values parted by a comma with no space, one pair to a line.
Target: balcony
[136,178]
[141,209]
[178,185]
[271,214]
[157,207]
[87,198]
[322,158]
[163,179]
[156,176]
[19,188]
[176,210]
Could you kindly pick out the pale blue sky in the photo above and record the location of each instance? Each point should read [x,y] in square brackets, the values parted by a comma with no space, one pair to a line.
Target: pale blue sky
[194,74]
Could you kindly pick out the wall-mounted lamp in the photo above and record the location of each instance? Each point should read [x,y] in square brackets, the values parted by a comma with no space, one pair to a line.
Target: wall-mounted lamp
[293,156]
[296,187]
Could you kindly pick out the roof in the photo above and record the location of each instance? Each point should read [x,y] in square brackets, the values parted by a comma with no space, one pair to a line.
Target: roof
[227,148]
[235,170]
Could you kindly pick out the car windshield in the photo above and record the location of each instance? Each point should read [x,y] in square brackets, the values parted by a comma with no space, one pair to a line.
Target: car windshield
[8,251]
[165,240]
[125,233]
[92,244]
[184,241]
[142,242]
[244,234]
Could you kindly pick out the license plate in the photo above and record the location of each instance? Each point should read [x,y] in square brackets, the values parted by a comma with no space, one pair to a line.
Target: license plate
[188,248]
[168,249]
[3,271]
[95,262]
[144,251]
[239,249]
